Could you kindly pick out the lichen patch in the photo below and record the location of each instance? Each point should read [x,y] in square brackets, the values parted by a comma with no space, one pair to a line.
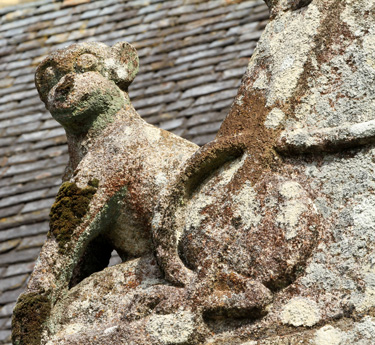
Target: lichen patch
[328,335]
[301,312]
[173,328]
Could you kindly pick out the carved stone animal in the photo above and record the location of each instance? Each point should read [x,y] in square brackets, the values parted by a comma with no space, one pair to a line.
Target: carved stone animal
[118,165]
[267,228]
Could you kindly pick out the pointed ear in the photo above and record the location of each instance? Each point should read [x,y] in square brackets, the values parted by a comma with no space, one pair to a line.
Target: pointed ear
[126,66]
[277,6]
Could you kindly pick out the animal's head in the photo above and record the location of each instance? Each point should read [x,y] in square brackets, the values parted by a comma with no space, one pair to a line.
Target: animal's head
[84,80]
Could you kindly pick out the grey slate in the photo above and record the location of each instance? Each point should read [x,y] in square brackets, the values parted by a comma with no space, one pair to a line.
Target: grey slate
[19,256]
[7,309]
[13,282]
[15,269]
[23,231]
[10,296]
[38,205]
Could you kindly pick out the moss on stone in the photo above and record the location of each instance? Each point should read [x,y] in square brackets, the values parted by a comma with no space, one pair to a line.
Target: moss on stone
[71,205]
[29,316]
[94,183]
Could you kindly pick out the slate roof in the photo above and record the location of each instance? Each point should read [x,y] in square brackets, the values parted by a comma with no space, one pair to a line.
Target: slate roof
[193,54]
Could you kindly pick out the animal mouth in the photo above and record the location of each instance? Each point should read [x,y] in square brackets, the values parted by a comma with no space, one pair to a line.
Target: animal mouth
[65,88]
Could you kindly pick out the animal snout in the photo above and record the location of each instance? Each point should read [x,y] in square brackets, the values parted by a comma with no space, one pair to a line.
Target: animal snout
[64,87]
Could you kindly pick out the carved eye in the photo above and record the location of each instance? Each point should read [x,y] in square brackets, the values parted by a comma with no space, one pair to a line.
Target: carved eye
[86,62]
[49,73]
[49,76]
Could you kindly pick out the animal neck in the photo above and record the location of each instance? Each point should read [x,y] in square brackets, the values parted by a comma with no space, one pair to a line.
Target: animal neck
[80,143]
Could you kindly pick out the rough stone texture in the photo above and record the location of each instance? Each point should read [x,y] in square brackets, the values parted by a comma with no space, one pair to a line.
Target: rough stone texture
[118,165]
[33,150]
[262,236]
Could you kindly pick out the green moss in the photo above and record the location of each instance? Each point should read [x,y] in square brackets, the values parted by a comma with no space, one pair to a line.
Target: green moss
[29,316]
[71,205]
[94,183]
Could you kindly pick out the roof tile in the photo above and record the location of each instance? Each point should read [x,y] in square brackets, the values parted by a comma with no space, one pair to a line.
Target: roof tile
[13,282]
[7,310]
[10,296]
[9,245]
[15,269]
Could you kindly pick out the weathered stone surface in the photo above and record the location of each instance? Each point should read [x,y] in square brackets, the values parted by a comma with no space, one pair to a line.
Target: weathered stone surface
[315,243]
[263,236]
[125,189]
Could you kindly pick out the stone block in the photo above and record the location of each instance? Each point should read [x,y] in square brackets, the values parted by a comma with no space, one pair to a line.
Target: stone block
[54,15]
[184,34]
[24,79]
[48,8]
[44,134]
[18,96]
[174,73]
[20,120]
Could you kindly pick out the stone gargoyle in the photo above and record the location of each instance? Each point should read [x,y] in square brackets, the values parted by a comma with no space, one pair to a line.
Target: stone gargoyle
[264,236]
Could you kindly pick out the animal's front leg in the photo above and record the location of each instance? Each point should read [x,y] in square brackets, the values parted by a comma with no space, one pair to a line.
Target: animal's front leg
[76,221]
